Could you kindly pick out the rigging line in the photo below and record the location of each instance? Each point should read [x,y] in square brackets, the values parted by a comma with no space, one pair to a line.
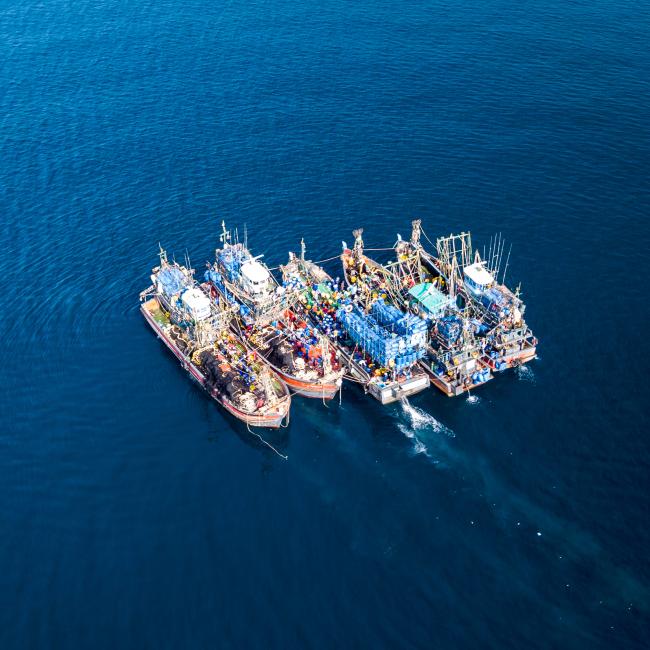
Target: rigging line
[268,444]
[427,237]
[328,259]
[355,381]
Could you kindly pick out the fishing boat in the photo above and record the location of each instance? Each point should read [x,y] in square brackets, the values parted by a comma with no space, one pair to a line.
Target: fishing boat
[418,273]
[379,348]
[301,356]
[267,323]
[508,341]
[453,357]
[180,312]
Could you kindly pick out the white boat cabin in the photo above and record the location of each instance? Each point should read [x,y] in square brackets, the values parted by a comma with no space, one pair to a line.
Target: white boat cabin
[256,279]
[196,303]
[477,278]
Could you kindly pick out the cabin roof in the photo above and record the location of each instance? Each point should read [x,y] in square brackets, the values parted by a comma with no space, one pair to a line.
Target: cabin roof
[255,271]
[196,301]
[478,273]
[427,295]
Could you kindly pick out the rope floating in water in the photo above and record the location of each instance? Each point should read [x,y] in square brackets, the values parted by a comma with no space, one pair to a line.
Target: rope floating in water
[268,444]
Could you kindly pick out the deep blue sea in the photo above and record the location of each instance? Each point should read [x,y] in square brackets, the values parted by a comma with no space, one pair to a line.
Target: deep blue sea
[134,512]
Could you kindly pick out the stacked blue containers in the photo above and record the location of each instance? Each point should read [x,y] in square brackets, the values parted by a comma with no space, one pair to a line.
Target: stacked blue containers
[387,315]
[387,335]
[450,329]
[397,321]
[217,280]
[493,299]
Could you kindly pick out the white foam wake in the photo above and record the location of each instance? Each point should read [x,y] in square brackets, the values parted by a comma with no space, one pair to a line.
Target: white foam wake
[525,373]
[421,420]
[418,446]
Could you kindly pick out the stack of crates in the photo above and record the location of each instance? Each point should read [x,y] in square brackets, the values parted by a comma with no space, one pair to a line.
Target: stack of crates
[410,326]
[449,329]
[388,336]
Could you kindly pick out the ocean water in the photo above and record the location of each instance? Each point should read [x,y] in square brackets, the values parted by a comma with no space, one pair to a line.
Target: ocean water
[135,513]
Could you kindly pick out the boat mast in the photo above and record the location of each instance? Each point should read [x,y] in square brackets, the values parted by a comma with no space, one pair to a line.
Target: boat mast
[414,265]
[455,253]
[358,245]
[452,277]
[503,280]
[415,233]
[224,238]
[325,352]
[265,379]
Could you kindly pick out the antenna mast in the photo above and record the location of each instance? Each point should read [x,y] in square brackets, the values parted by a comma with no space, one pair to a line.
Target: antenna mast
[325,352]
[225,235]
[358,244]
[415,232]
[503,280]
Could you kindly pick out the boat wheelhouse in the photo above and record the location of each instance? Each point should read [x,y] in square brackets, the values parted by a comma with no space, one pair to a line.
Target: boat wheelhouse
[241,278]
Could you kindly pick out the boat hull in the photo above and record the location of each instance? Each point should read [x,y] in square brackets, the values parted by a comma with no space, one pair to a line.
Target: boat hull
[311,389]
[515,354]
[450,389]
[453,390]
[391,392]
[270,420]
[511,360]
[314,390]
[397,390]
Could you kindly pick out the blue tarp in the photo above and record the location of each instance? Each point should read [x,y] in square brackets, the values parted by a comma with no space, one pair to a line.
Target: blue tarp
[215,278]
[230,260]
[494,299]
[171,280]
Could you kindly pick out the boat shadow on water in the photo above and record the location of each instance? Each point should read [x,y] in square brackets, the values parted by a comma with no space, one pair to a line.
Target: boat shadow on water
[268,441]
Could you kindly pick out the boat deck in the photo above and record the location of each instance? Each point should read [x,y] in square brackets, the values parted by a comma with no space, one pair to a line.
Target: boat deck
[157,313]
